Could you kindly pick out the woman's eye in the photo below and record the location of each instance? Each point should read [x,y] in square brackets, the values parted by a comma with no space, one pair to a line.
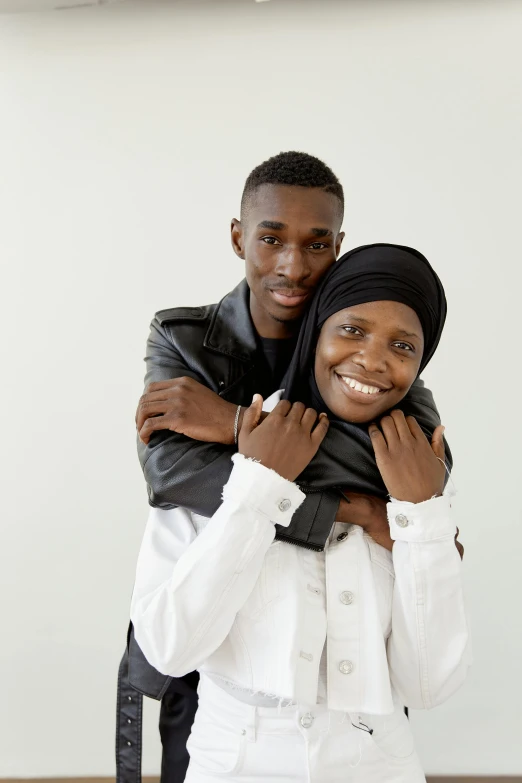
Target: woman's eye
[269,240]
[350,330]
[318,246]
[404,346]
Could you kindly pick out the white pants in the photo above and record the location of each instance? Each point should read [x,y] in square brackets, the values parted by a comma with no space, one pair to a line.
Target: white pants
[233,741]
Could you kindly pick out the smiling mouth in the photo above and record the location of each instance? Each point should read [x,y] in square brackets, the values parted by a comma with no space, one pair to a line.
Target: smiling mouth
[359,391]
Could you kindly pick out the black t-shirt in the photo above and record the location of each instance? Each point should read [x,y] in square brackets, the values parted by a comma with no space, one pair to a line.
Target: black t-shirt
[275,358]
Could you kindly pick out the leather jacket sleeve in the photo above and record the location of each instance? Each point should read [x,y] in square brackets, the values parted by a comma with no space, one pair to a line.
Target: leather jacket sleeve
[180,471]
[183,472]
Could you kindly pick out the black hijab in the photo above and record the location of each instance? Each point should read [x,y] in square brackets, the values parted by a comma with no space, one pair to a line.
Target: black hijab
[346,460]
[370,273]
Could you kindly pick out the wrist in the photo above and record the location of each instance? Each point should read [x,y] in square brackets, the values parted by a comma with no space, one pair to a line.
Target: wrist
[344,512]
[236,421]
[242,410]
[414,496]
[381,535]
[229,425]
[237,414]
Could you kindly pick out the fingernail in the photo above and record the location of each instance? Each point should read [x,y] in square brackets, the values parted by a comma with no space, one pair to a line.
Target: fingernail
[322,415]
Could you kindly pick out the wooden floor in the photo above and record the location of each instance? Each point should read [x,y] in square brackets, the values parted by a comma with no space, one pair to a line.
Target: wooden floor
[449,779]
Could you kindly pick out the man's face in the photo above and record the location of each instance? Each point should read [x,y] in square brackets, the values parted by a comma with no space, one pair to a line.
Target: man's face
[288,239]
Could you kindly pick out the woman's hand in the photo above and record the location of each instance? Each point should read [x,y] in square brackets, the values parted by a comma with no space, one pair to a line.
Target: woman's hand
[286,440]
[409,465]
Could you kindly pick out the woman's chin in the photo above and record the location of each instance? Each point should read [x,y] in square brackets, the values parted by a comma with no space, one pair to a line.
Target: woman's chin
[356,412]
[353,414]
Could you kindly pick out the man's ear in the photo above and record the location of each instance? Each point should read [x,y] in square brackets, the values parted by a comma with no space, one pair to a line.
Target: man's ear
[338,243]
[237,238]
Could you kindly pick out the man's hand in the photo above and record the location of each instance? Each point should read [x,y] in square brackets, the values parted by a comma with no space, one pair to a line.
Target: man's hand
[369,513]
[286,440]
[183,405]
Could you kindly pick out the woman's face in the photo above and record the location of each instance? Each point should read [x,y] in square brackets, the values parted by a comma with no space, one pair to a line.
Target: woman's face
[366,359]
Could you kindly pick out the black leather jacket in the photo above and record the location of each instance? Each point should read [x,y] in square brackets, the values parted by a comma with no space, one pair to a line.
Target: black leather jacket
[216,345]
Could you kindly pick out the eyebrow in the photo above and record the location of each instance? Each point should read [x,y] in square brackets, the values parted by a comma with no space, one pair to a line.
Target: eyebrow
[275,225]
[401,332]
[408,334]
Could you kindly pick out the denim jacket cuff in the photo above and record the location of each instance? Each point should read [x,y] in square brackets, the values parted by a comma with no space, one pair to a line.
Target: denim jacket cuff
[263,489]
[418,522]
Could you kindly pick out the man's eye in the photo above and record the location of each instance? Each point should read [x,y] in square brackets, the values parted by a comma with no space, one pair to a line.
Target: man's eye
[318,246]
[270,240]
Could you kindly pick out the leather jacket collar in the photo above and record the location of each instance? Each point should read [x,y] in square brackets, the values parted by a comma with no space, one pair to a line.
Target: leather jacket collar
[231,330]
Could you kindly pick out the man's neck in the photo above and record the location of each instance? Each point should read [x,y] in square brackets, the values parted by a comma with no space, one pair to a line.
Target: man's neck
[268,327]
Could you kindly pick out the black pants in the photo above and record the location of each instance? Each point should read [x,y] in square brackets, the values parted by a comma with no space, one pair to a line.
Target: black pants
[176,718]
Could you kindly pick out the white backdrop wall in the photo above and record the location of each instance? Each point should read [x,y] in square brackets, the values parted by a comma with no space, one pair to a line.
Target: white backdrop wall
[126,135]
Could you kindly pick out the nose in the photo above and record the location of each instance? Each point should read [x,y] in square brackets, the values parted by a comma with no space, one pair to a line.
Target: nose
[371,357]
[293,265]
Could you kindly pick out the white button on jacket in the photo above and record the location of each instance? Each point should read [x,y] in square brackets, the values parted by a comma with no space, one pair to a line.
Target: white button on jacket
[221,596]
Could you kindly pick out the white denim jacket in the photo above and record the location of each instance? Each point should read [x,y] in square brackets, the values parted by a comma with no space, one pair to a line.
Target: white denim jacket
[219,595]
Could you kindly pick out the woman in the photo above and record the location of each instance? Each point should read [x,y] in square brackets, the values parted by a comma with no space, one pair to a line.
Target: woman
[308,658]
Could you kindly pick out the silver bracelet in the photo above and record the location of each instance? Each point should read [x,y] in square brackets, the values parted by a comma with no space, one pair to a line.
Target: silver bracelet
[236,424]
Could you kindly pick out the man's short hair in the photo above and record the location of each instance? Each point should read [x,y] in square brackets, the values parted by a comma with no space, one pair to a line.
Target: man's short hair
[292,168]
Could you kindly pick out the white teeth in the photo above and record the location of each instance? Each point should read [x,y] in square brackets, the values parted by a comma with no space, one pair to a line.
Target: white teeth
[359,386]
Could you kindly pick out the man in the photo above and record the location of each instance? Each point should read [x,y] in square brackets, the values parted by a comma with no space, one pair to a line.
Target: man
[204,362]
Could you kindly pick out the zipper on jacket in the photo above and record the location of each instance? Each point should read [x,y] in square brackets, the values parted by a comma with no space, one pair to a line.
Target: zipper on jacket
[298,542]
